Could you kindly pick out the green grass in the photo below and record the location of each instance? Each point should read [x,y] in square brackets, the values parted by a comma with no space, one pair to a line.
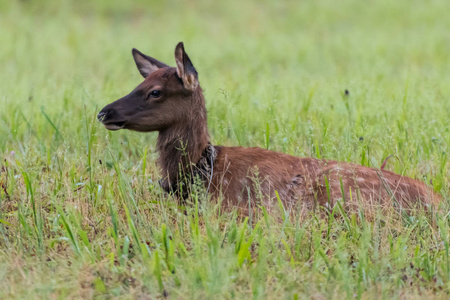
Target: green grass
[82,215]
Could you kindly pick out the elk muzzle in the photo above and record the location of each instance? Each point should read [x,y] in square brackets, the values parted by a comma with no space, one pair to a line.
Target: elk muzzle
[111,118]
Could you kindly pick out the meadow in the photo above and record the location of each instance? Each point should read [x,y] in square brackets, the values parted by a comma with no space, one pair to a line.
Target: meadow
[81,211]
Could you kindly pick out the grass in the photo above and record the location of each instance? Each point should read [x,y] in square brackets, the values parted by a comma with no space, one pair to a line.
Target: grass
[81,212]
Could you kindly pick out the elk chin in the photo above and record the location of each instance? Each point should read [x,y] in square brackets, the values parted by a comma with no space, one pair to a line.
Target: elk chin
[115,126]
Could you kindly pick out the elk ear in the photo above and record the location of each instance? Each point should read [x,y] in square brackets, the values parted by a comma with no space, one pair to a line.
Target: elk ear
[185,69]
[146,64]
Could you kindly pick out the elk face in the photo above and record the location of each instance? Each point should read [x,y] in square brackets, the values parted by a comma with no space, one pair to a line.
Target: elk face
[162,100]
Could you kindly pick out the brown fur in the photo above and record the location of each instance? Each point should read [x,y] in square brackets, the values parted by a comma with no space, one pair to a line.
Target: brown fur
[243,176]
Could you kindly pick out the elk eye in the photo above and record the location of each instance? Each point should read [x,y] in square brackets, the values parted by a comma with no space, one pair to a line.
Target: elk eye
[155,93]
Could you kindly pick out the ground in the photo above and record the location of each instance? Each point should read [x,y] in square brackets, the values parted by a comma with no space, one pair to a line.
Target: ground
[81,212]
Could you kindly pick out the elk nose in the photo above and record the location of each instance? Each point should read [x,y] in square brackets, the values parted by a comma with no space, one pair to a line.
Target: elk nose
[102,115]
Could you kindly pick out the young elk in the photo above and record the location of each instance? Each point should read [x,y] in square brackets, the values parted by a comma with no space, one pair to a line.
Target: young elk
[170,101]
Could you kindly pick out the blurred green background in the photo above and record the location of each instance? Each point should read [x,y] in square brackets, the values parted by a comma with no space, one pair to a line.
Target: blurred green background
[277,64]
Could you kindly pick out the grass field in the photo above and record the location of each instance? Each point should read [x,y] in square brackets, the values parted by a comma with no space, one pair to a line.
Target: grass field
[82,215]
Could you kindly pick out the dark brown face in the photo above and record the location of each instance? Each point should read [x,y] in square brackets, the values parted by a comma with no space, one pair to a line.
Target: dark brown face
[162,100]
[151,106]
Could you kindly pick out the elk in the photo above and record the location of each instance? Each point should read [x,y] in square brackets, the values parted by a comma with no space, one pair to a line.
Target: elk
[171,102]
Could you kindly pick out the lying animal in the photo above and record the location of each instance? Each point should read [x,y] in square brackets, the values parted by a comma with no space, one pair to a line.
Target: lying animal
[170,101]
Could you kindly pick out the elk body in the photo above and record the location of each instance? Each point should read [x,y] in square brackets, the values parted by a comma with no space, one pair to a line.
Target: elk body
[171,102]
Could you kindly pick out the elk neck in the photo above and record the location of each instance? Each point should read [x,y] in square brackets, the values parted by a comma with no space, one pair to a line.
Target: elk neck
[181,145]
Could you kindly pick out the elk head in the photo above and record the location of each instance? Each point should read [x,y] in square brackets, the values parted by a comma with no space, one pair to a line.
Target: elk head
[168,97]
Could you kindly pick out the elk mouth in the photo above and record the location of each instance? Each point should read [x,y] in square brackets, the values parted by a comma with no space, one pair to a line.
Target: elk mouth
[114,125]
